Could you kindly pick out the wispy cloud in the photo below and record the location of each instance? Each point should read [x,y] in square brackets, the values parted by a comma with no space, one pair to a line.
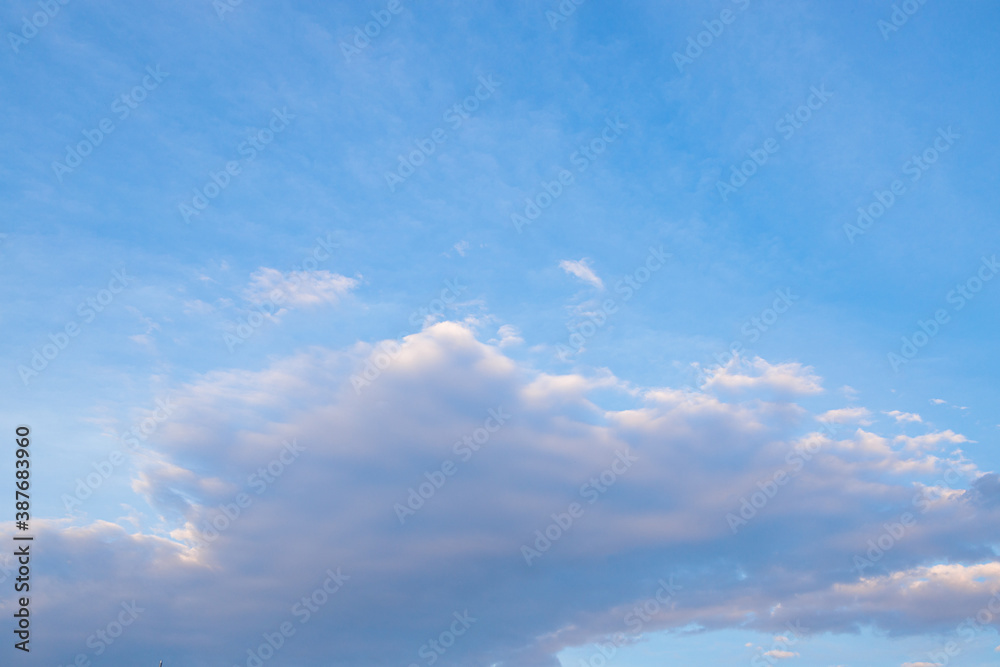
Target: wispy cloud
[297,288]
[582,270]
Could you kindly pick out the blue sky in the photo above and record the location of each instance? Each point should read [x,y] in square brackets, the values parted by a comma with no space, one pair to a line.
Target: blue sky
[291,234]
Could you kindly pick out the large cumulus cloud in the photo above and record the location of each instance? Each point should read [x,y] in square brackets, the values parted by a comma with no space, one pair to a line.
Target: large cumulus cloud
[320,467]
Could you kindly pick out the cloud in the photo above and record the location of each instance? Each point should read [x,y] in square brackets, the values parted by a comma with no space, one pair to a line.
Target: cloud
[741,376]
[780,654]
[197,307]
[931,440]
[236,522]
[938,401]
[921,664]
[901,417]
[297,288]
[509,336]
[845,416]
[581,269]
[461,247]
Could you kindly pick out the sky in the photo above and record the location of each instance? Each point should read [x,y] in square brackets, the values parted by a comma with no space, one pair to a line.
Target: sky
[507,334]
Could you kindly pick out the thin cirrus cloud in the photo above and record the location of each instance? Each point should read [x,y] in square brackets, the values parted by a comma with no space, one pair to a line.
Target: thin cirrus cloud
[297,288]
[581,269]
[700,454]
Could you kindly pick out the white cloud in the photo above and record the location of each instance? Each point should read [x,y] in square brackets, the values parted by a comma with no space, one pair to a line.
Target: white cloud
[509,336]
[780,654]
[740,375]
[698,455]
[297,288]
[846,416]
[901,417]
[931,440]
[581,269]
